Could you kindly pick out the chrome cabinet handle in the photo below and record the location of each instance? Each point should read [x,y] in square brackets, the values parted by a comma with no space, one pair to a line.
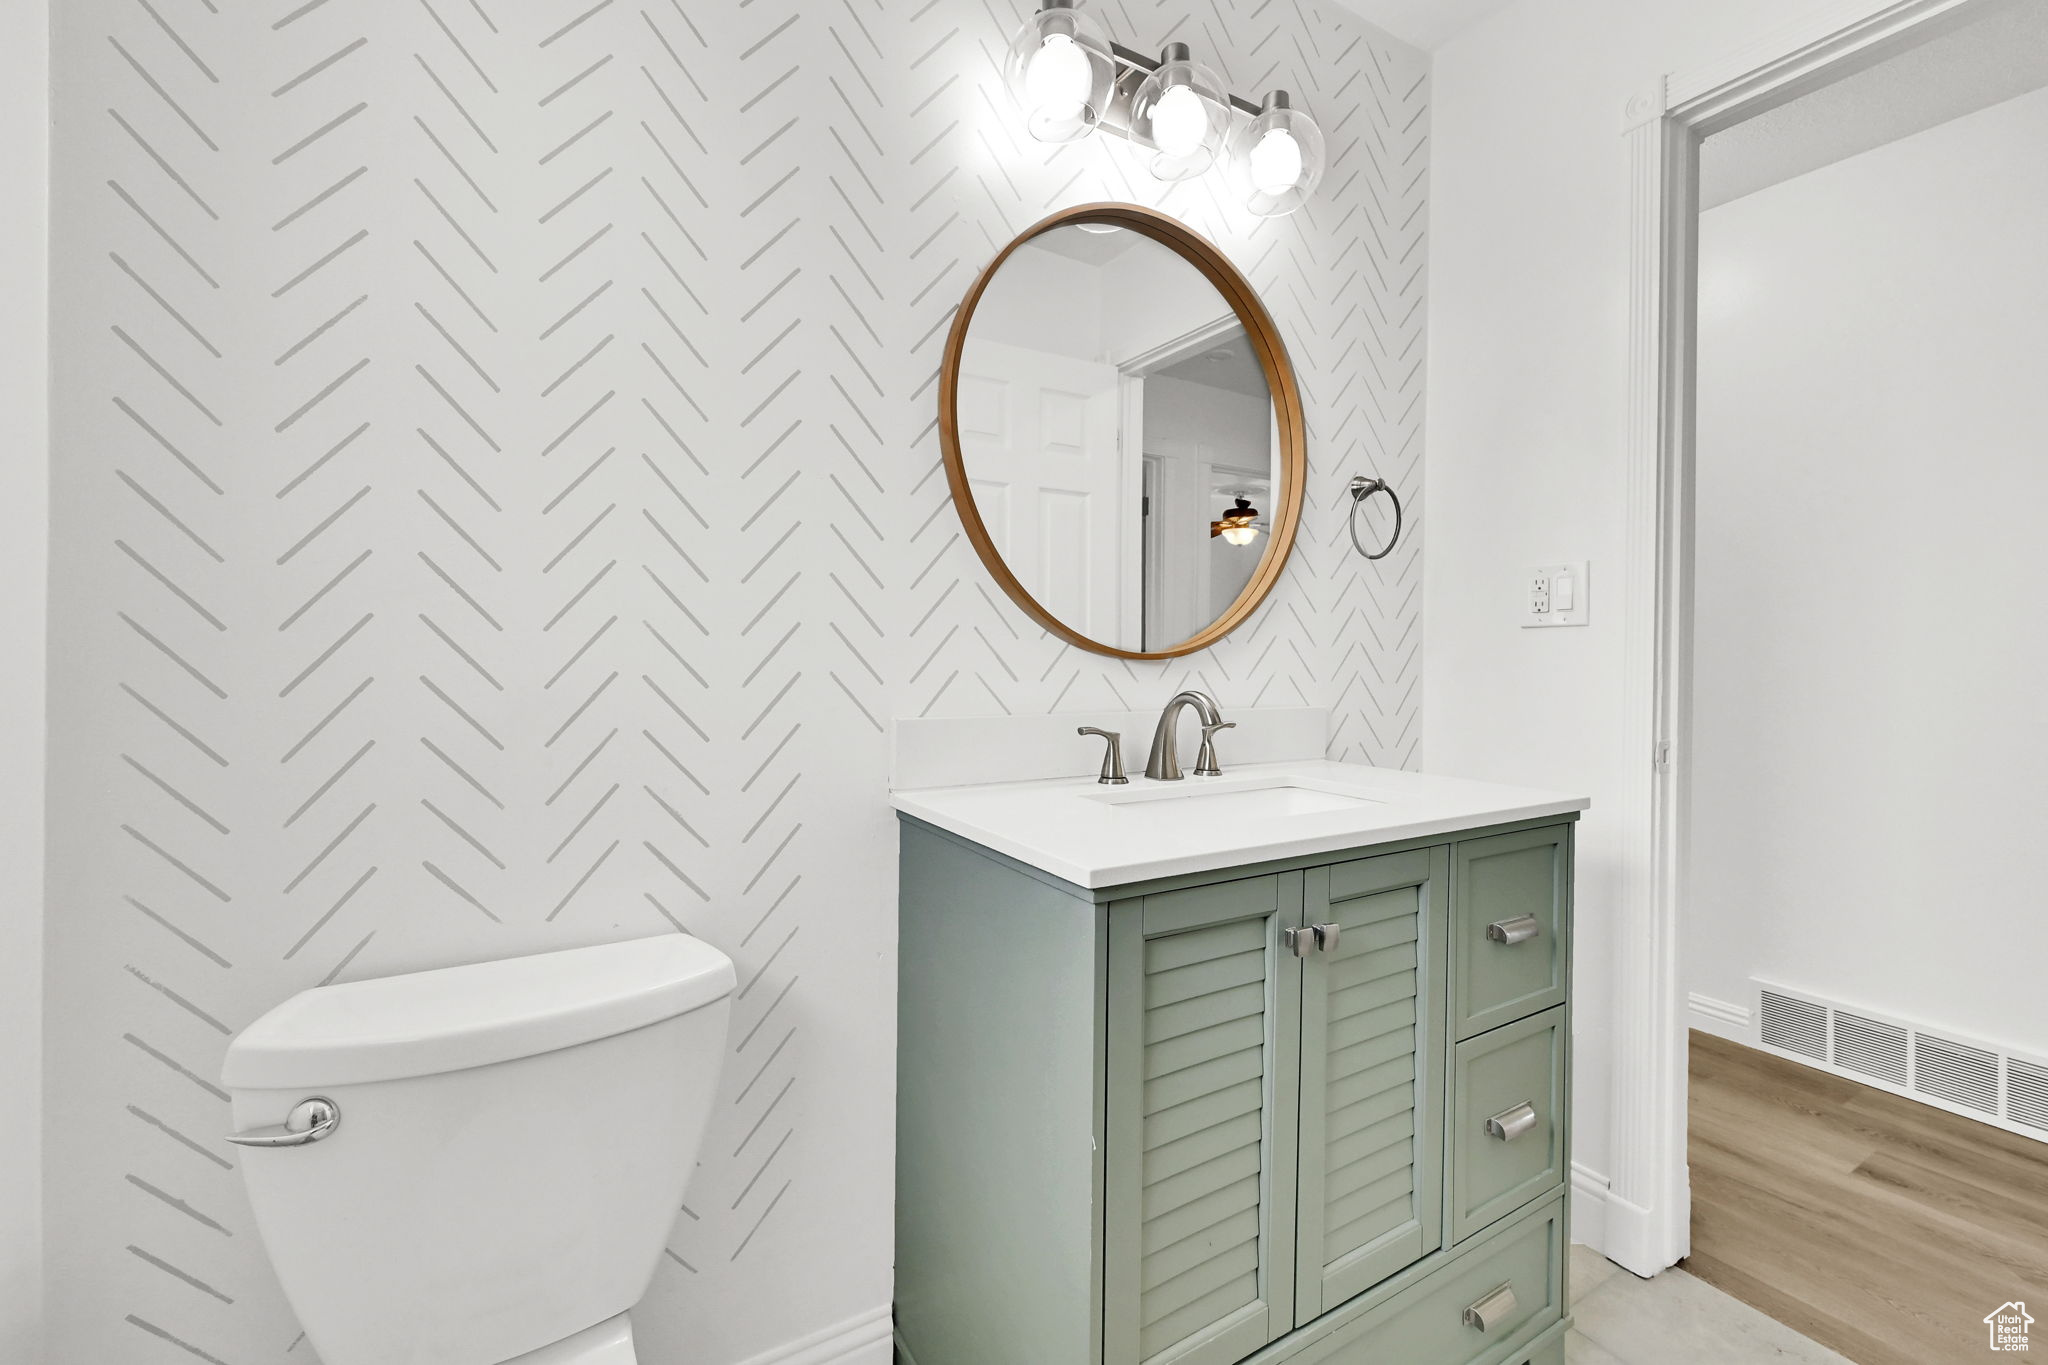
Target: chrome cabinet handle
[1312,938]
[1510,1124]
[1520,929]
[1112,756]
[309,1121]
[1493,1310]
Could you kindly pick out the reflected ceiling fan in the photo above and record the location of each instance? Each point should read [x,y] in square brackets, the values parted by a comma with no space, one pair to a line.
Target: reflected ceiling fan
[1239,523]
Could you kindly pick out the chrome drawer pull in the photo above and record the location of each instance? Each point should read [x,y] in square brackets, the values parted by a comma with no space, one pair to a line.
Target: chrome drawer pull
[1493,1310]
[309,1121]
[1327,936]
[1301,942]
[1510,1124]
[1520,929]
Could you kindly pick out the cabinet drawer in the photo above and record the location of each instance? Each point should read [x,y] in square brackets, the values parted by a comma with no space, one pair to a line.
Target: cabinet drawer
[1510,1281]
[1509,948]
[1507,1120]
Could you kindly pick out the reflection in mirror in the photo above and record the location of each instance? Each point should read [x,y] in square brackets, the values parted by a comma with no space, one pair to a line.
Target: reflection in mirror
[1118,434]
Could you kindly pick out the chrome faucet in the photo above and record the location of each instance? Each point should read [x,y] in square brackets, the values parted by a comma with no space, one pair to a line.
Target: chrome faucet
[1112,756]
[1164,763]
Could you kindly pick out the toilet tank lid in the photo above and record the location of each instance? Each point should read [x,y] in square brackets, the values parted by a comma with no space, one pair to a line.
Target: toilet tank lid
[452,1018]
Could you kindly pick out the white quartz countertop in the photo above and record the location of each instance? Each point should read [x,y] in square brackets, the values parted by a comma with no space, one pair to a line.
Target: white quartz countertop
[1095,835]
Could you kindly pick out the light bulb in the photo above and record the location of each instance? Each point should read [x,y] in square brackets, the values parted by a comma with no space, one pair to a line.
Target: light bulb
[1180,124]
[1059,77]
[1275,162]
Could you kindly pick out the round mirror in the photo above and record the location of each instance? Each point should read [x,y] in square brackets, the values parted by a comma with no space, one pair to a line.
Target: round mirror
[1123,433]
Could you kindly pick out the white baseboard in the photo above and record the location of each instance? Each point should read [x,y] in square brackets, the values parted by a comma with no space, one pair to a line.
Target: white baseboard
[1722,1018]
[1624,1232]
[1635,1238]
[1589,1208]
[864,1339]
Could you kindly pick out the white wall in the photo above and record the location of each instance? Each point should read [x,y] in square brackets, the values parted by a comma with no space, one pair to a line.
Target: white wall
[1869,733]
[1043,301]
[563,588]
[1527,363]
[1139,300]
[24,550]
[1152,297]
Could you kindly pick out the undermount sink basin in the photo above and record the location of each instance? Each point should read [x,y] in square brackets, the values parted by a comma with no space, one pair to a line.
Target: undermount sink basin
[1245,800]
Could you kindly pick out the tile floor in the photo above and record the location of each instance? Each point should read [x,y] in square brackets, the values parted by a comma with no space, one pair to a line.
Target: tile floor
[1673,1319]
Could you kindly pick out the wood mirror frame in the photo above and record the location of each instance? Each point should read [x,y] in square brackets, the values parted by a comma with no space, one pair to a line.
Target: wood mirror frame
[1237,291]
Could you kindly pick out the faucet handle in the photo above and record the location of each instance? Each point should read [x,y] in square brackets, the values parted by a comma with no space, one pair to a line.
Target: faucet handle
[1205,762]
[1112,756]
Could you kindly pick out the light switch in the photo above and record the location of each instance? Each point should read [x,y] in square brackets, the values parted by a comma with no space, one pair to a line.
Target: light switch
[1556,595]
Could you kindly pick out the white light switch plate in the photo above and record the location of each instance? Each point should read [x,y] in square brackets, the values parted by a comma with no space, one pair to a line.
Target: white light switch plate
[1554,595]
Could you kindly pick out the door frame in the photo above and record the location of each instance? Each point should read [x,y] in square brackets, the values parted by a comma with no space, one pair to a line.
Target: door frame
[1133,554]
[1645,1207]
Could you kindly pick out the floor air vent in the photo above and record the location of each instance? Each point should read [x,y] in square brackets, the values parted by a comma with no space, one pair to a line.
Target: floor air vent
[1945,1069]
[2026,1093]
[1872,1048]
[1956,1072]
[1795,1025]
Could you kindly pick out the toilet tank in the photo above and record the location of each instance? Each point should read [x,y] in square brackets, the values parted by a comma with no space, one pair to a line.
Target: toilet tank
[513,1144]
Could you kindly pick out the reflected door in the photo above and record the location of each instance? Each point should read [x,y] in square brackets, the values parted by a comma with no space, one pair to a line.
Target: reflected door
[1040,435]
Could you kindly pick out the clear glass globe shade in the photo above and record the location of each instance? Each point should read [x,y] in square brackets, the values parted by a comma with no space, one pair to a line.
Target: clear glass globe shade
[1059,78]
[1275,162]
[1180,122]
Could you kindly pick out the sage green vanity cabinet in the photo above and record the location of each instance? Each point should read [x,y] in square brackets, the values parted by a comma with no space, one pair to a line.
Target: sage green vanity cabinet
[1507,1134]
[1513,892]
[1203,1047]
[1235,1117]
[1372,1107]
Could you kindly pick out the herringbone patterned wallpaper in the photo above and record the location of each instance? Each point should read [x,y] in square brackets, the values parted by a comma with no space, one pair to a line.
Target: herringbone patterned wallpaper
[499,508]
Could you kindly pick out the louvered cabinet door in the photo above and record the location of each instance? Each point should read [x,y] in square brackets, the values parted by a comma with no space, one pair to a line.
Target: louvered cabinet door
[1372,1075]
[1203,1056]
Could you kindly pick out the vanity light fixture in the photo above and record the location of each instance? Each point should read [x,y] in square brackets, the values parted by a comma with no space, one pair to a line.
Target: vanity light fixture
[1068,78]
[1278,158]
[1239,524]
[1179,112]
[1061,72]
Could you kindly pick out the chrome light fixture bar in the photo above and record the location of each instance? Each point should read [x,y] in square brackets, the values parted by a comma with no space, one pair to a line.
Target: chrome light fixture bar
[1069,78]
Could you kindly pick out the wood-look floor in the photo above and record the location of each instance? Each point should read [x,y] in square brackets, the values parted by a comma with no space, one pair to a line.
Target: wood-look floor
[1880,1227]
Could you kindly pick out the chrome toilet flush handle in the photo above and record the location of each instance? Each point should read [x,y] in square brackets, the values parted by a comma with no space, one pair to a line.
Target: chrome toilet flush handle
[310,1120]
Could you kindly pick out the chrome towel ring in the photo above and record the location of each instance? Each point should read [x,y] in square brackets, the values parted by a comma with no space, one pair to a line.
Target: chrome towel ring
[1361,489]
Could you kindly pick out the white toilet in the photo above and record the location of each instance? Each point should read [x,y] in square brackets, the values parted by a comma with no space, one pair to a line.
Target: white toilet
[480,1165]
